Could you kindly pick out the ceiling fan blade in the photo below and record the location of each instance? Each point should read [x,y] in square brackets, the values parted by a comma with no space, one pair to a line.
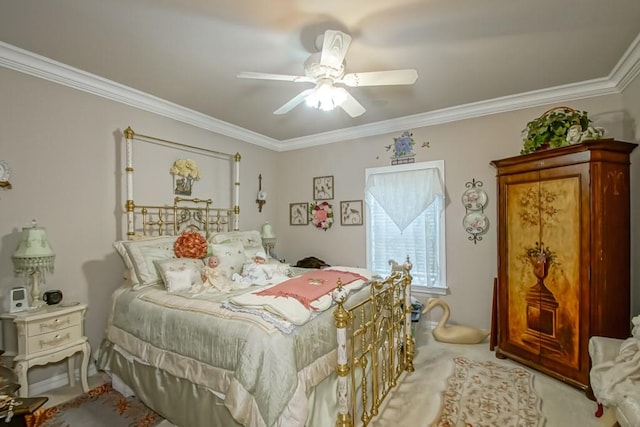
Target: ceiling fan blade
[380,78]
[350,105]
[288,106]
[267,76]
[334,48]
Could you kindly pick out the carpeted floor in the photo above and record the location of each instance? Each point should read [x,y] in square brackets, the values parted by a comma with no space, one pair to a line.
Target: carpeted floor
[453,386]
[101,407]
[420,398]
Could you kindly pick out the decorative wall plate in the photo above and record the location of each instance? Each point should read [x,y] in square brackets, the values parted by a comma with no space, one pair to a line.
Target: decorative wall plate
[474,199]
[475,223]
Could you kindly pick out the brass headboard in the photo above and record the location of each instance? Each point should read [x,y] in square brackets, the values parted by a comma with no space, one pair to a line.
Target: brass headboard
[185,213]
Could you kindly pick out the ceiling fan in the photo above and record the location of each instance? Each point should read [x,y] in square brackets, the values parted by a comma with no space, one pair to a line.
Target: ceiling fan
[325,69]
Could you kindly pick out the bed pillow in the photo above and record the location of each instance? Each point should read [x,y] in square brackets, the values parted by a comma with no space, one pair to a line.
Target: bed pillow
[274,267]
[248,239]
[178,274]
[142,253]
[231,257]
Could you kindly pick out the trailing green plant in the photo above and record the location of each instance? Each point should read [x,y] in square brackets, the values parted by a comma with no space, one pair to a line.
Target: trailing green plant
[551,128]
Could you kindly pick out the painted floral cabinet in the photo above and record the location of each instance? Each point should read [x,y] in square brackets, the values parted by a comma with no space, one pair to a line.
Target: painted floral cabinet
[563,255]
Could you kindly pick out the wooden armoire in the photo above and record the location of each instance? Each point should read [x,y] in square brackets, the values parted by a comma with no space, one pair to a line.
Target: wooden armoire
[563,255]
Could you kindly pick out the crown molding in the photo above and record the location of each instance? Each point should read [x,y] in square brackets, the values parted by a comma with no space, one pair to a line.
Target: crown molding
[42,67]
[625,71]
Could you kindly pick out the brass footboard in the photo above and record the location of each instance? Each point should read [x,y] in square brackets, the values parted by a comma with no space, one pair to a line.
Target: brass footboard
[375,346]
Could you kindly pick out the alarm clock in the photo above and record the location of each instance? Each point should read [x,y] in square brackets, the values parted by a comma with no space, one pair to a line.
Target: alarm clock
[18,299]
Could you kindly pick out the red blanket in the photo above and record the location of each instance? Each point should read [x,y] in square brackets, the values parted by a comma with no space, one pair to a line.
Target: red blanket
[311,286]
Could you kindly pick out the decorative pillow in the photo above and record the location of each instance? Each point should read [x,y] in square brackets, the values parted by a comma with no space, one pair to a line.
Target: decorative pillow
[250,252]
[178,274]
[277,267]
[190,244]
[140,256]
[231,257]
[248,239]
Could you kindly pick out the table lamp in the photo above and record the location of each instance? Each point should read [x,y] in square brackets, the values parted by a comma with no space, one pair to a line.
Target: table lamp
[33,257]
[268,238]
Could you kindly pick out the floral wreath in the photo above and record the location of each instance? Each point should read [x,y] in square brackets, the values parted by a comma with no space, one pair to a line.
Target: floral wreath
[321,215]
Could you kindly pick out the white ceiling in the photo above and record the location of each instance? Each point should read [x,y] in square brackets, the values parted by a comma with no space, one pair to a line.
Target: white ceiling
[468,53]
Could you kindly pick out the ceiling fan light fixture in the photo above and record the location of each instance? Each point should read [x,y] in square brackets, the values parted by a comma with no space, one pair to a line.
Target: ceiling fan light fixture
[325,96]
[325,69]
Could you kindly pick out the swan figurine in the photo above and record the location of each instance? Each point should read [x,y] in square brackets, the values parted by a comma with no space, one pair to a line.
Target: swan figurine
[456,334]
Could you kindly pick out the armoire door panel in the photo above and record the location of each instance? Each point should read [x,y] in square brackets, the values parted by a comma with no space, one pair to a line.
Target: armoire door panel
[543,237]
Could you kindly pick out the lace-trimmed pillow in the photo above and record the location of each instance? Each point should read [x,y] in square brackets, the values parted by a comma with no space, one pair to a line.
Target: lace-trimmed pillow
[140,255]
[178,274]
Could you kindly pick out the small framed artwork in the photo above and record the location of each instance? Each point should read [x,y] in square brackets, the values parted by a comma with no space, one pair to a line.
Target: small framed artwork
[323,188]
[351,212]
[298,213]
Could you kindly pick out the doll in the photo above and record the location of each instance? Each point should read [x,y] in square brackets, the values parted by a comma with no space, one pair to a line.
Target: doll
[212,278]
[258,273]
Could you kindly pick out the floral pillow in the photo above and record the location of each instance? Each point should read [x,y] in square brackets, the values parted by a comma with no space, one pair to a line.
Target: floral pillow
[178,274]
[231,257]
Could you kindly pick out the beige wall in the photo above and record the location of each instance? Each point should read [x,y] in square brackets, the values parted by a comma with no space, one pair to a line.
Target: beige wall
[467,147]
[64,147]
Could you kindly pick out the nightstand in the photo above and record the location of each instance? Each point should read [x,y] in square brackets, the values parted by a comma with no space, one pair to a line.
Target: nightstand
[48,335]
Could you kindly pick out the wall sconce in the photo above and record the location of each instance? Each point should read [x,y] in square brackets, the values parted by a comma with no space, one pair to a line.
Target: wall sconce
[34,257]
[262,195]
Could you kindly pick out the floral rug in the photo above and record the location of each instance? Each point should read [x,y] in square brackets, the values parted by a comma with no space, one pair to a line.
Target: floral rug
[486,394]
[102,406]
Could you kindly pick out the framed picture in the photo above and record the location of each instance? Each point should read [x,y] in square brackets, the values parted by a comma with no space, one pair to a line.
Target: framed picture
[351,212]
[298,213]
[323,188]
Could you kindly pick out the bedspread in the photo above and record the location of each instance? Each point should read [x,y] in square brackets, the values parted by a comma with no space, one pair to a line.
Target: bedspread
[264,374]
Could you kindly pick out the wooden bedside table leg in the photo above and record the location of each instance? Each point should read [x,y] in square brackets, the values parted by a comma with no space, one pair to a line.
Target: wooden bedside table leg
[86,352]
[21,369]
[71,370]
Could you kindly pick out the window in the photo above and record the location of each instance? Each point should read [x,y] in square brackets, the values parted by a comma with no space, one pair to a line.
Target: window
[405,216]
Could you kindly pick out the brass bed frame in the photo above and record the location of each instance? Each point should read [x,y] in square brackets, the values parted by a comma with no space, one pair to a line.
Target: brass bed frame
[375,346]
[185,213]
[375,340]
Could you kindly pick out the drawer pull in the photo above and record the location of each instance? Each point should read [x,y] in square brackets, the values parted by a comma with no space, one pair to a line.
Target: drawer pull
[57,340]
[55,324]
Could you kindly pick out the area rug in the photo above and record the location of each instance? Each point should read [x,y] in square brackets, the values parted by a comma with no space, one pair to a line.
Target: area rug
[486,394]
[101,407]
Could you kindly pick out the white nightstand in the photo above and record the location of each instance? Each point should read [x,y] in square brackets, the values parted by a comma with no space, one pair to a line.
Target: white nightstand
[48,335]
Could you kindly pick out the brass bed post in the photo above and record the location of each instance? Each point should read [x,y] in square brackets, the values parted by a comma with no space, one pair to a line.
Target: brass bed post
[409,340]
[236,191]
[129,206]
[342,319]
